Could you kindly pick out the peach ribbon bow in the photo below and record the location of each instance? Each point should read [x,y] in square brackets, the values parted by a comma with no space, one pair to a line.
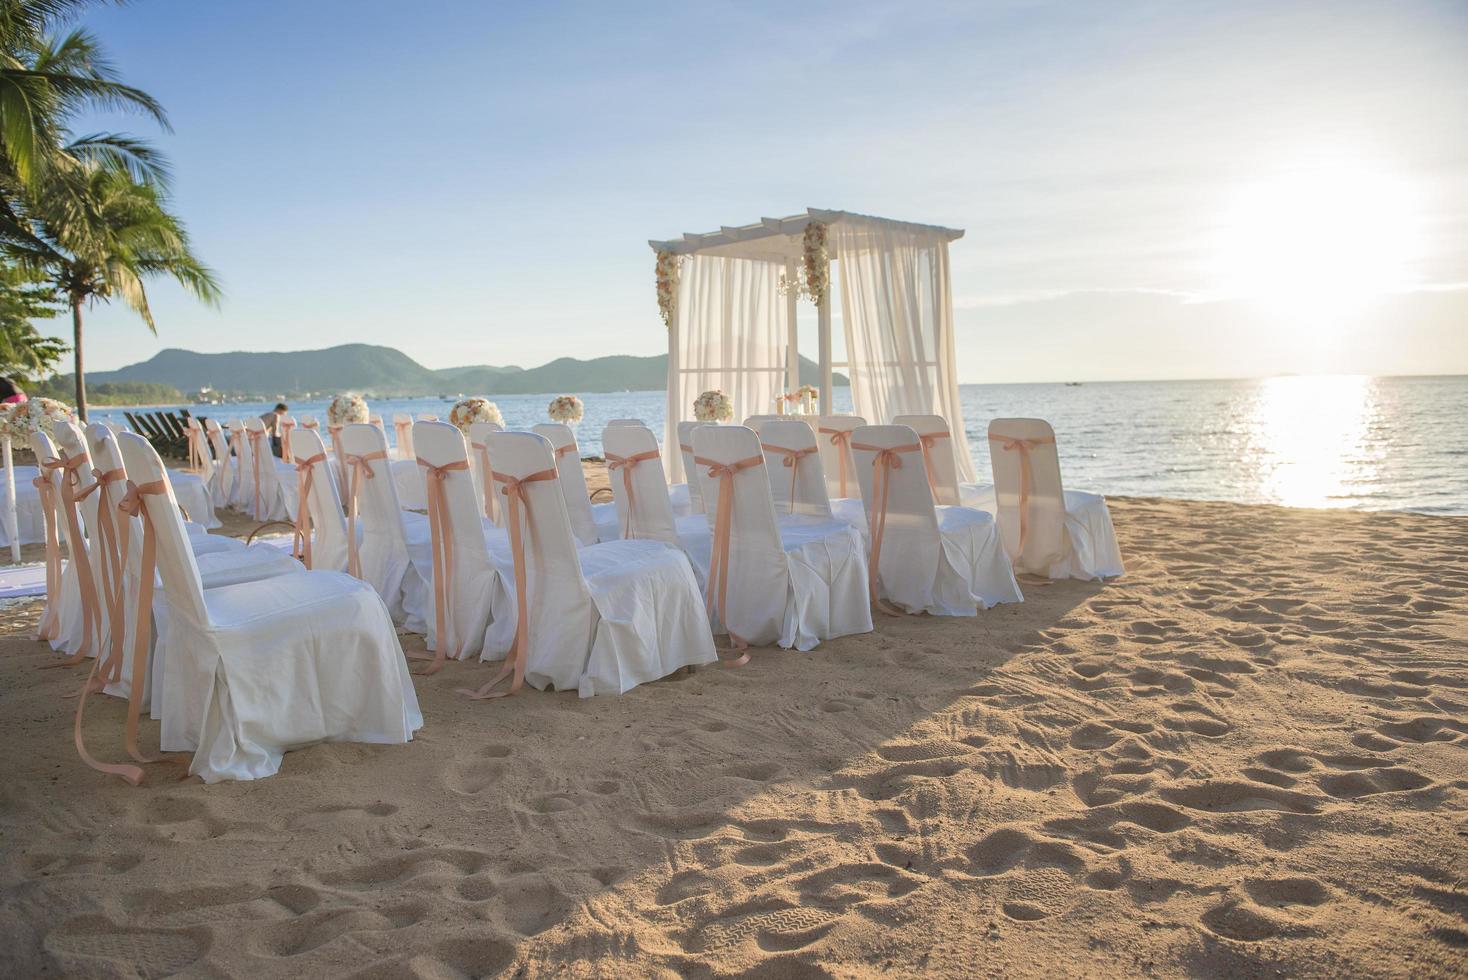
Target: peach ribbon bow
[440,529]
[517,503]
[627,464]
[841,439]
[718,581]
[286,425]
[1026,477]
[927,444]
[50,619]
[358,465]
[486,473]
[132,505]
[305,480]
[403,429]
[792,461]
[884,462]
[256,436]
[77,551]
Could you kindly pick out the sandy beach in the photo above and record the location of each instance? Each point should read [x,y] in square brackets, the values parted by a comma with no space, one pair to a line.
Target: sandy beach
[1245,758]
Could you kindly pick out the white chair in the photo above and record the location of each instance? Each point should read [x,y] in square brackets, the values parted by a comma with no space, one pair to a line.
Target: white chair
[483,471]
[402,424]
[755,422]
[1047,530]
[72,621]
[938,460]
[640,497]
[794,582]
[943,560]
[465,582]
[321,529]
[242,490]
[614,422]
[584,523]
[600,619]
[287,426]
[684,496]
[797,477]
[201,461]
[267,501]
[192,485]
[278,663]
[376,524]
[221,485]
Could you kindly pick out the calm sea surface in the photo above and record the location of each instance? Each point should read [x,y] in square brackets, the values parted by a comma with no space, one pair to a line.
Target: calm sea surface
[1359,442]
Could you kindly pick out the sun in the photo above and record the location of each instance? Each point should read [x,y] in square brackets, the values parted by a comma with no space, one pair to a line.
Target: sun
[1317,245]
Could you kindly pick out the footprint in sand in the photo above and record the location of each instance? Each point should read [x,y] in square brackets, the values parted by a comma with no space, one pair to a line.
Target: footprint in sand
[92,945]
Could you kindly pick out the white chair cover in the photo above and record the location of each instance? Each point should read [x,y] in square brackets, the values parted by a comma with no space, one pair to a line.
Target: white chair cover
[402,424]
[242,490]
[640,497]
[942,560]
[70,621]
[71,442]
[756,422]
[1047,529]
[383,555]
[600,620]
[269,503]
[613,422]
[684,496]
[797,476]
[938,455]
[794,582]
[277,663]
[488,493]
[833,436]
[221,485]
[319,519]
[573,484]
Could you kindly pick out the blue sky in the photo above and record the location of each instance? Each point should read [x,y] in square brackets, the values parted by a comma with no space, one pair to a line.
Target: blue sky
[476,182]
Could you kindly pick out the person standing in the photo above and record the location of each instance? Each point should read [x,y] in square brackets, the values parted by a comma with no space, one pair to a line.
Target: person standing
[271,419]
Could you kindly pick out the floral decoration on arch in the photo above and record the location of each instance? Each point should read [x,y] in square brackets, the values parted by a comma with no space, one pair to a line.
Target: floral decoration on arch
[668,267]
[817,262]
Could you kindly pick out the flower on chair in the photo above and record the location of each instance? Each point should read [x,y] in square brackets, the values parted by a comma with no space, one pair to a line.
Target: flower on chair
[713,406]
[346,409]
[566,408]
[17,419]
[467,411]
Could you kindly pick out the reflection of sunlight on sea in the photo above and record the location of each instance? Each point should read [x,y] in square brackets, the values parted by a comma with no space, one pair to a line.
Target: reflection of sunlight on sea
[1307,439]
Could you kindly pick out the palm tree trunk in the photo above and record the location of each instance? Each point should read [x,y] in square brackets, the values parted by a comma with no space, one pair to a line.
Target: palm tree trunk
[76,349]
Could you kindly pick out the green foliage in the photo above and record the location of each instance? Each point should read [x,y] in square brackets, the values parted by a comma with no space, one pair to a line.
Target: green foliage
[110,392]
[25,296]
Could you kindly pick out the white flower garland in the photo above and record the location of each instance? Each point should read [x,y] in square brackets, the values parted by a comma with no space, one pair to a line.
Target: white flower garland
[817,262]
[467,411]
[713,406]
[566,408]
[667,279]
[347,409]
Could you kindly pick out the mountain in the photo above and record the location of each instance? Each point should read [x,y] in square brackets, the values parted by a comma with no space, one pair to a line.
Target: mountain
[384,371]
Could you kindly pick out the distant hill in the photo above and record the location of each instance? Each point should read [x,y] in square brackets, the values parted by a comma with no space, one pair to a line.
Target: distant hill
[384,371]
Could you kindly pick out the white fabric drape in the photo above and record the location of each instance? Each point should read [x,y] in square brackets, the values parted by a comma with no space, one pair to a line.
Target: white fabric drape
[729,332]
[898,313]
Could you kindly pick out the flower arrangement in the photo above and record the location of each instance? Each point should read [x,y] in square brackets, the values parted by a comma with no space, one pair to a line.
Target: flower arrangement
[667,279]
[713,406]
[566,408]
[346,409]
[467,411]
[16,420]
[817,262]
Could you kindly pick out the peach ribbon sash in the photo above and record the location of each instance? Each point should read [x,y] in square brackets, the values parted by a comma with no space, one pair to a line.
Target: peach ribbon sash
[717,596]
[927,444]
[198,452]
[131,505]
[111,544]
[841,439]
[791,461]
[403,429]
[256,437]
[305,480]
[358,465]
[441,529]
[486,473]
[286,425]
[311,424]
[569,447]
[1026,477]
[50,619]
[883,463]
[76,549]
[517,503]
[627,464]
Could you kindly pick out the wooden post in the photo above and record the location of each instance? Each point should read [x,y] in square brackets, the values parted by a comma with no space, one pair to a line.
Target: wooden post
[12,525]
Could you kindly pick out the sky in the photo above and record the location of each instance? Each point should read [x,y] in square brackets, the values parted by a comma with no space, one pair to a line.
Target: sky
[1149,189]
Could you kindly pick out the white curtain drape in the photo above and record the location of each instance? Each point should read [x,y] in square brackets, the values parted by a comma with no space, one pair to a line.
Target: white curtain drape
[729,332]
[898,314]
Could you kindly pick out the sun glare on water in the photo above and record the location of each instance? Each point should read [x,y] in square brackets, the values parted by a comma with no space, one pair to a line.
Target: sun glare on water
[1307,439]
[1313,246]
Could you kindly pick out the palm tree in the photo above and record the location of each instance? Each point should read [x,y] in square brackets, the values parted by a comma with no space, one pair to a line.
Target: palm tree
[131,237]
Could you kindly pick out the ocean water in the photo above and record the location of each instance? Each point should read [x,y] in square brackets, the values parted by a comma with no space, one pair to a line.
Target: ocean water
[1354,442]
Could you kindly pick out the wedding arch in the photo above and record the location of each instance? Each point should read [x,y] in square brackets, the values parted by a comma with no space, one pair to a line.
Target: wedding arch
[730,299]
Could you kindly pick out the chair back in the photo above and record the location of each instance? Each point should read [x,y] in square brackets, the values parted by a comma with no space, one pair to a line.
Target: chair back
[833,436]
[625,422]
[938,455]
[378,511]
[1031,505]
[176,565]
[755,422]
[402,424]
[572,480]
[224,464]
[910,537]
[489,495]
[286,427]
[261,469]
[685,447]
[645,512]
[797,477]
[71,441]
[323,504]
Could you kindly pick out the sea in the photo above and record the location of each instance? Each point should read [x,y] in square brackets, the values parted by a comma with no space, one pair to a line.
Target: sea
[1366,443]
